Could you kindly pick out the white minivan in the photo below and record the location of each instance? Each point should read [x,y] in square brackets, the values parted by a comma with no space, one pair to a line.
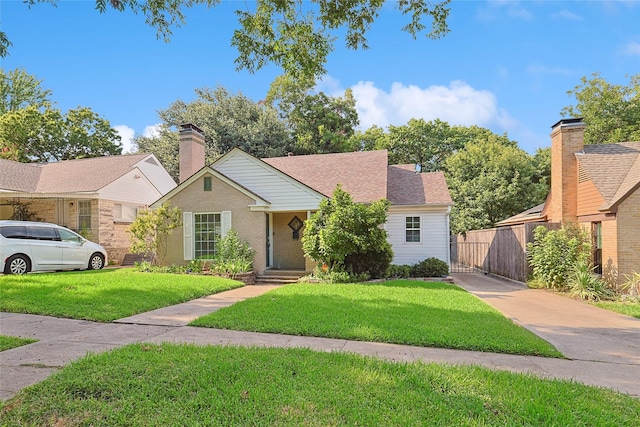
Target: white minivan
[39,246]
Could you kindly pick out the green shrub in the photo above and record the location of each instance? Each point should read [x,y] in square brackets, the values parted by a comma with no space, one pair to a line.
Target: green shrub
[587,285]
[430,267]
[342,228]
[232,256]
[631,286]
[336,276]
[374,263]
[554,254]
[399,271]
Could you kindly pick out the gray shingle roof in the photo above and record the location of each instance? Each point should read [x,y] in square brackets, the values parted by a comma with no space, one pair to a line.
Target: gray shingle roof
[613,168]
[84,175]
[366,176]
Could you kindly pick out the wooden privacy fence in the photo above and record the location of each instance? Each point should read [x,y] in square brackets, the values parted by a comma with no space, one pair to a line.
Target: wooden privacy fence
[501,251]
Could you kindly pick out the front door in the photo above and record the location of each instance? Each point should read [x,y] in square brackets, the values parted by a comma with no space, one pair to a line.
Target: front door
[287,243]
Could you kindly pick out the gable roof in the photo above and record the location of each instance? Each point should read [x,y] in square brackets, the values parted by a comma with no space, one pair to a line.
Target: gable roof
[613,168]
[406,187]
[68,176]
[260,201]
[366,176]
[362,174]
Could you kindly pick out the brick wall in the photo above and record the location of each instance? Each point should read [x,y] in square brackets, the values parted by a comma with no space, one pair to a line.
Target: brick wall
[629,235]
[251,226]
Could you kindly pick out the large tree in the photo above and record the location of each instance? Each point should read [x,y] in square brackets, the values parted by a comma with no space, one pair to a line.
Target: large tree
[611,112]
[227,120]
[323,124]
[34,135]
[296,35]
[19,89]
[490,181]
[428,144]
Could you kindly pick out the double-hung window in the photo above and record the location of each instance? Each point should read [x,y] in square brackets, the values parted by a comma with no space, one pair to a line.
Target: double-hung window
[207,230]
[412,229]
[84,215]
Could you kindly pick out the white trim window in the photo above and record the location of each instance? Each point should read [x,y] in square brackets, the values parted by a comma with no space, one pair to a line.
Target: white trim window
[207,230]
[124,213]
[412,229]
[84,215]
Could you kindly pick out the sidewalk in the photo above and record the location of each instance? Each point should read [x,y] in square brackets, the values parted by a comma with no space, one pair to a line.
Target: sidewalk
[603,352]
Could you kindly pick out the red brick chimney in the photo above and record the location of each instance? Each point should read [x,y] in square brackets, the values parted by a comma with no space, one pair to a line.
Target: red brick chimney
[191,150]
[567,138]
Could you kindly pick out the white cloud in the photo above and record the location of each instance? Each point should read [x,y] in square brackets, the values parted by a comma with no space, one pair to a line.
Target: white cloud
[457,104]
[632,49]
[151,131]
[565,14]
[126,135]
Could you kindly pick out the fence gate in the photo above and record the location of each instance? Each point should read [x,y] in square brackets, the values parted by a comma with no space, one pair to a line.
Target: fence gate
[469,257]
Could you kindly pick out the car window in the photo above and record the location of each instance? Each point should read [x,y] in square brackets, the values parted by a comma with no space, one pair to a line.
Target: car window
[42,233]
[69,236]
[14,231]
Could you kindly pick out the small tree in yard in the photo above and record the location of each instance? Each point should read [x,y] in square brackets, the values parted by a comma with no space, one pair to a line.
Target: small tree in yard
[554,254]
[151,229]
[347,236]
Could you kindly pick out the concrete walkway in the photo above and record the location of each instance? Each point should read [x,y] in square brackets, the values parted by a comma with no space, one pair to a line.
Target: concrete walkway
[603,347]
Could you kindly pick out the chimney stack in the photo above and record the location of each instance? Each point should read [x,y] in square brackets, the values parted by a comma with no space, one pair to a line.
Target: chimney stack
[567,138]
[191,150]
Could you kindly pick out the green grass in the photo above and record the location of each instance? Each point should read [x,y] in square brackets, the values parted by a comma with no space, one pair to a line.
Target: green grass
[630,308]
[103,295]
[7,342]
[402,312]
[183,385]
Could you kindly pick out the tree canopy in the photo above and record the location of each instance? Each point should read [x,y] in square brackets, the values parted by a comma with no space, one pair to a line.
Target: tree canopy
[428,144]
[490,181]
[33,135]
[611,112]
[19,89]
[227,120]
[32,130]
[323,124]
[296,35]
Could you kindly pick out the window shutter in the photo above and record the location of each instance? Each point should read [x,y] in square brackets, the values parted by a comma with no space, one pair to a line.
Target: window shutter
[225,223]
[187,232]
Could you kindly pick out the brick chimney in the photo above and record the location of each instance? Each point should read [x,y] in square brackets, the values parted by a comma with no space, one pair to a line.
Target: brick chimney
[191,150]
[567,138]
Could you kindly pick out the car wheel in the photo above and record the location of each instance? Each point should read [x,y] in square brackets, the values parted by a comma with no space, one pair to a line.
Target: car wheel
[96,262]
[17,264]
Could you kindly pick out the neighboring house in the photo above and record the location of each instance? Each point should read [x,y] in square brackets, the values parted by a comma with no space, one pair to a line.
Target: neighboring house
[98,197]
[267,201]
[598,187]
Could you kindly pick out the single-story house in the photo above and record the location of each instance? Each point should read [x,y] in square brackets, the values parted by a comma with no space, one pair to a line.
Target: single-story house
[97,197]
[598,187]
[267,201]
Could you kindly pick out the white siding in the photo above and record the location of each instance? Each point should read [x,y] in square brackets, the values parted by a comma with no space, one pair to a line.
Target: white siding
[434,240]
[133,188]
[284,193]
[157,174]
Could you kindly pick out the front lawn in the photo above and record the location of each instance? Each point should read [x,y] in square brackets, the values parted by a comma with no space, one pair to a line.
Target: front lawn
[630,308]
[7,342]
[401,312]
[180,385]
[103,295]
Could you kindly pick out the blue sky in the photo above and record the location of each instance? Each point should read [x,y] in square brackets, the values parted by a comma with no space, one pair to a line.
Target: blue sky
[505,65]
